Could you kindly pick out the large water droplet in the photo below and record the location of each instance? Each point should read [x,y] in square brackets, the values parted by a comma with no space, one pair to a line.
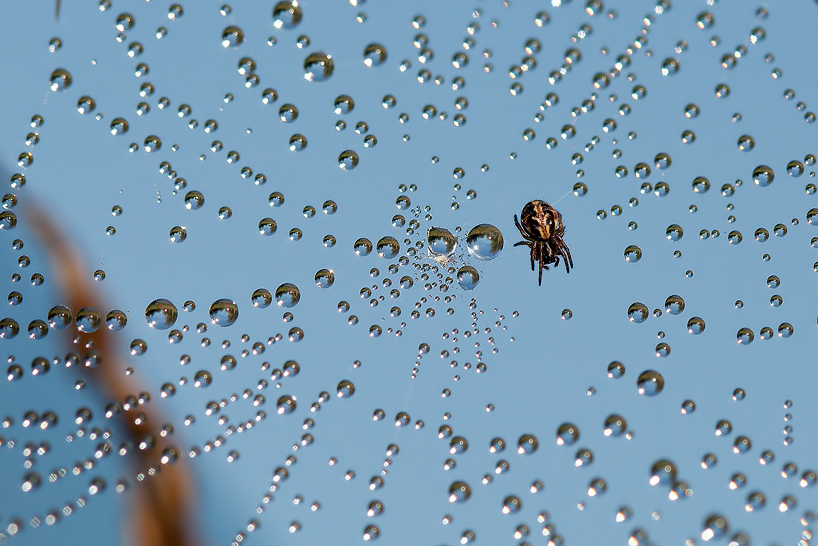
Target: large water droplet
[161,314]
[88,320]
[388,247]
[223,312]
[318,67]
[441,243]
[467,277]
[484,241]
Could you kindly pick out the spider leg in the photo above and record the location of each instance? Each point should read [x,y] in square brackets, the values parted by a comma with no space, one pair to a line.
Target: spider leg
[533,255]
[541,265]
[557,250]
[523,232]
[523,243]
[544,259]
[565,259]
[566,254]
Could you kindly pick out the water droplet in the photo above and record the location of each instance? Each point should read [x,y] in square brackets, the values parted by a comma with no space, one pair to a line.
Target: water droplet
[633,253]
[194,200]
[638,312]
[650,383]
[388,247]
[746,143]
[298,143]
[267,226]
[527,444]
[745,336]
[86,105]
[795,168]
[115,320]
[119,126]
[345,389]
[785,330]
[374,55]
[318,67]
[597,487]
[288,113]
[459,492]
[286,14]
[232,36]
[88,320]
[202,379]
[674,232]
[734,237]
[138,347]
[348,160]
[8,220]
[722,91]
[223,312]
[324,278]
[362,247]
[705,20]
[261,298]
[467,277]
[59,317]
[674,305]
[567,434]
[371,532]
[286,404]
[695,325]
[512,504]
[60,80]
[763,176]
[670,66]
[616,369]
[615,425]
[441,243]
[484,242]
[701,184]
[178,234]
[663,472]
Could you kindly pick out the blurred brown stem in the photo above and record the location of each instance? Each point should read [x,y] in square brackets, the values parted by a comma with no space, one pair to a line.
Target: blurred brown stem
[162,500]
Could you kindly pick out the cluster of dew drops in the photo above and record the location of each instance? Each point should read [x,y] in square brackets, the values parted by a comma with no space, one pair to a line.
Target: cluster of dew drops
[441,262]
[438,248]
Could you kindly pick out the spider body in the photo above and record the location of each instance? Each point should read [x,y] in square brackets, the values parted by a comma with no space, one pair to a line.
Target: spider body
[542,229]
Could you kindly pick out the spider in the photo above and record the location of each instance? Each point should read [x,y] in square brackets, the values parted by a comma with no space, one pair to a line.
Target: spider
[543,231]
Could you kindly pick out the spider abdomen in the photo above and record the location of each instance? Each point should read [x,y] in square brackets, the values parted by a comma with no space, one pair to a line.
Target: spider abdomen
[539,218]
